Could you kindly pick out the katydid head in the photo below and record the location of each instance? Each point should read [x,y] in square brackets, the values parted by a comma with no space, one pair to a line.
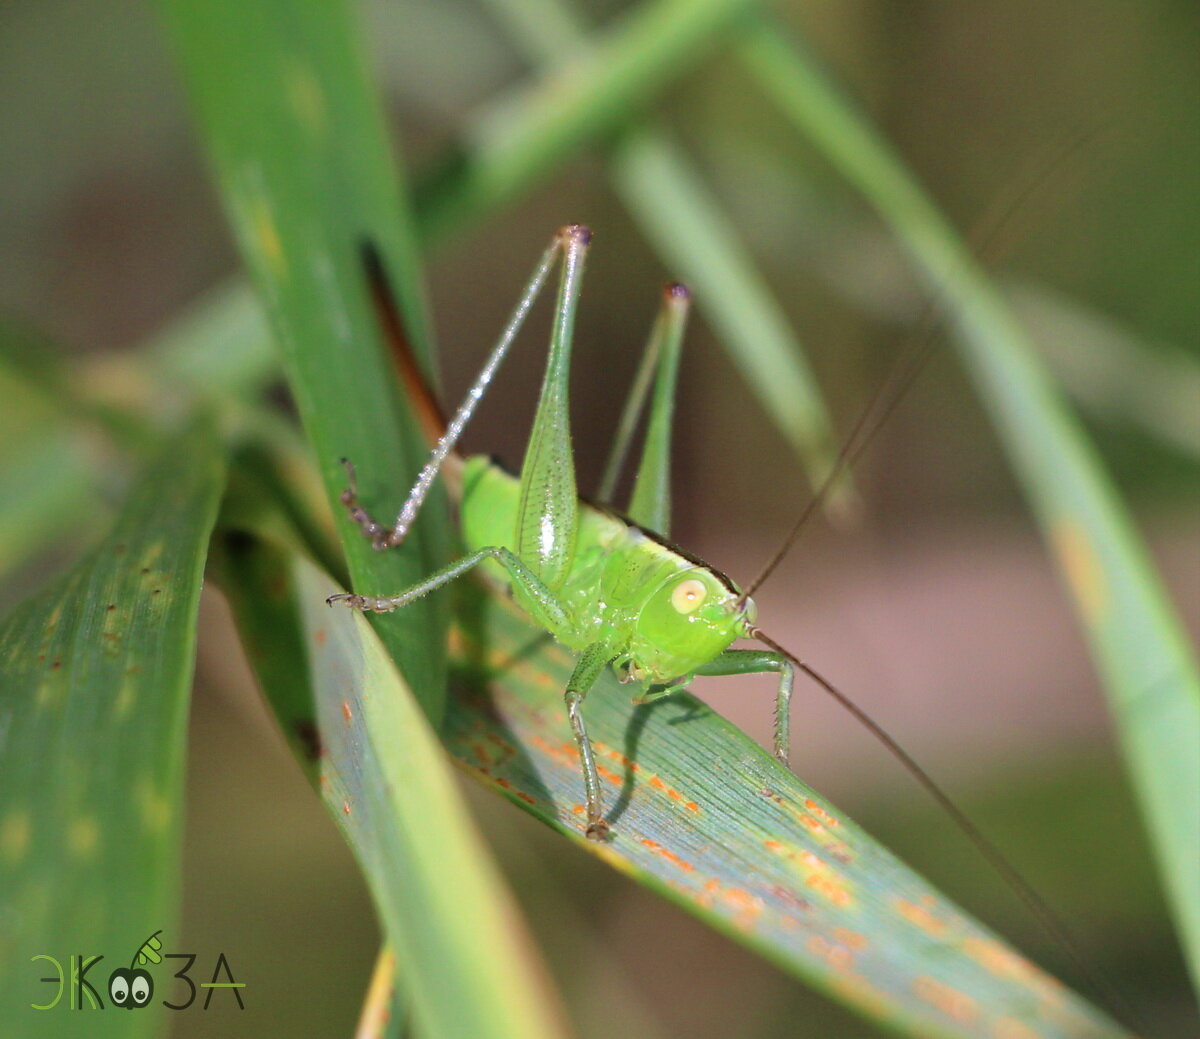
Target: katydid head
[685,622]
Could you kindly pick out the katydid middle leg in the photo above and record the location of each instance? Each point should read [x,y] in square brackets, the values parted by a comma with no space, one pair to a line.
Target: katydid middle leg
[542,603]
[592,661]
[753,662]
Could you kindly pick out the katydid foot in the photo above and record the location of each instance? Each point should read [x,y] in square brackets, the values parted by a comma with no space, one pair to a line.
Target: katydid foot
[381,536]
[598,830]
[366,603]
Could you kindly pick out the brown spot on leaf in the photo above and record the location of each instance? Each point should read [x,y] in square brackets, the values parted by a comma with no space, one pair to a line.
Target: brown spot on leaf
[951,1002]
[669,855]
[309,738]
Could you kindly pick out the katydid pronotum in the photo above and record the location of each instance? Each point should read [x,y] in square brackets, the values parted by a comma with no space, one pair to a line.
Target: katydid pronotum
[608,585]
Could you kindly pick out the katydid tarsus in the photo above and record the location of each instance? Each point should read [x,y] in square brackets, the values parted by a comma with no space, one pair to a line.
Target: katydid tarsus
[608,585]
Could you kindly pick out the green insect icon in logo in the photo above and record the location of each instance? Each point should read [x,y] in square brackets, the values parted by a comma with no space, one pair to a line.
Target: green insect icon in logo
[131,987]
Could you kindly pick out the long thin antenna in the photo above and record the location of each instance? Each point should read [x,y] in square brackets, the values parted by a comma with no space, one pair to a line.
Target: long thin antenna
[884,401]
[924,340]
[1050,921]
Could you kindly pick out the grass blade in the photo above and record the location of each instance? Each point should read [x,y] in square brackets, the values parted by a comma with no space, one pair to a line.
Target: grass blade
[94,679]
[220,345]
[46,485]
[298,145]
[1113,374]
[47,463]
[382,1016]
[462,959]
[1137,641]
[62,420]
[580,102]
[701,813]
[707,818]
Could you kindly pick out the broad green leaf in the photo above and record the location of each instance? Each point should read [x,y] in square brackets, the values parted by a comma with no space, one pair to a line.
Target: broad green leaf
[700,813]
[463,963]
[95,673]
[1136,639]
[297,143]
[47,465]
[706,817]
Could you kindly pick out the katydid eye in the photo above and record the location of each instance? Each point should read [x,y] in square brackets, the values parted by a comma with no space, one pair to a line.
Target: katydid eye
[689,595]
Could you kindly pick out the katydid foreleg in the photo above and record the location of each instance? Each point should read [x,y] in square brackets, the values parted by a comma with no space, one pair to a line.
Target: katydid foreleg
[757,661]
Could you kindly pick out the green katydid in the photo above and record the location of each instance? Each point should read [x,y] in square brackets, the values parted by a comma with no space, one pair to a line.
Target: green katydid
[607,585]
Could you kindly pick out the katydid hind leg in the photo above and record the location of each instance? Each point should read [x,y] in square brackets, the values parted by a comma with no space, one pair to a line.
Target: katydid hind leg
[548,509]
[371,528]
[673,309]
[650,505]
[389,537]
[753,662]
[631,413]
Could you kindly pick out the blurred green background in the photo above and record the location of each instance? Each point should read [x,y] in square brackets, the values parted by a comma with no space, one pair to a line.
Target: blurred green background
[939,611]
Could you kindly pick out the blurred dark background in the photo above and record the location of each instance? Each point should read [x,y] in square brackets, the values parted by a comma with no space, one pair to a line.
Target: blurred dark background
[940,611]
